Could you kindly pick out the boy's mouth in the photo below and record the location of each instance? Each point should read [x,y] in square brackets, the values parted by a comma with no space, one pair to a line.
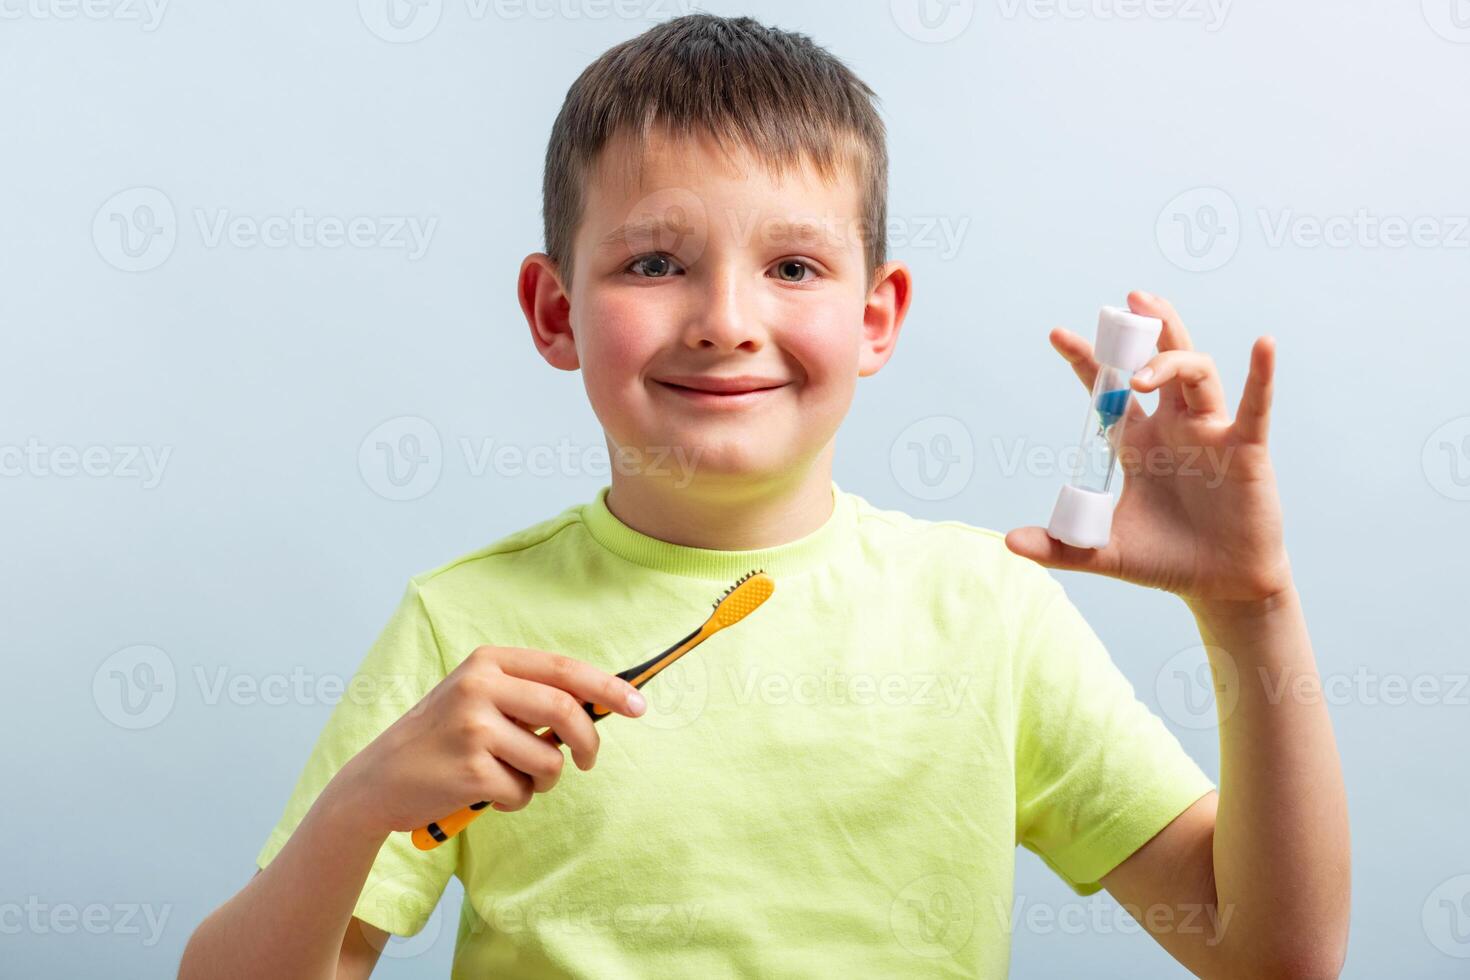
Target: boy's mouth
[720,390]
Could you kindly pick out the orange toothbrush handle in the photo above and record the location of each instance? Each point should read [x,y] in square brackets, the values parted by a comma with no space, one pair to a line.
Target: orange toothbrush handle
[436,833]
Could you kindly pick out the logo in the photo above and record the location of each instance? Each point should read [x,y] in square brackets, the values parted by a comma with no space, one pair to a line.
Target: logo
[933,916]
[672,220]
[135,230]
[934,458]
[135,688]
[1188,692]
[1446,458]
[1199,230]
[402,458]
[678,696]
[1446,916]
[1450,19]
[403,894]
[932,21]
[401,21]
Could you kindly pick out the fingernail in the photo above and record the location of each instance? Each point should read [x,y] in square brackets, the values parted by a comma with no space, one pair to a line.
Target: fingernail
[1143,375]
[636,704]
[1146,297]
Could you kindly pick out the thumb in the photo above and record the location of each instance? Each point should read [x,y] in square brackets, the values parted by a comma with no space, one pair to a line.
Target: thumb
[1042,548]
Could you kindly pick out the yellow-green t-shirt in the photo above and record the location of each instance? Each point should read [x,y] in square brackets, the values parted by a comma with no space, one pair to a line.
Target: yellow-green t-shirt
[835,786]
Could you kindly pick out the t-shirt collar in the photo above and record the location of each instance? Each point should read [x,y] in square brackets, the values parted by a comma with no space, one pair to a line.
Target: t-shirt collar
[816,548]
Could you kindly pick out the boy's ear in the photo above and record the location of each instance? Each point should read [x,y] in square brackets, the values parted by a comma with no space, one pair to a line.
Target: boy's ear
[548,311]
[888,304]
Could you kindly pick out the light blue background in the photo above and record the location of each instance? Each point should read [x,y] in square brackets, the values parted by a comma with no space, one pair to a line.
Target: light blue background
[1056,138]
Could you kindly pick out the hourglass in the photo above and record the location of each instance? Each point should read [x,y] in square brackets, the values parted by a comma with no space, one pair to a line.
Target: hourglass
[1083,516]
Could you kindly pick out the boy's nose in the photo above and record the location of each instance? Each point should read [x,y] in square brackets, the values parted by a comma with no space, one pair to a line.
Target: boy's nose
[725,319]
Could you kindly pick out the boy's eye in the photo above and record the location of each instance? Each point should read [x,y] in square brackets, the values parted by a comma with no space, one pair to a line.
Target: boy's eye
[652,266]
[792,270]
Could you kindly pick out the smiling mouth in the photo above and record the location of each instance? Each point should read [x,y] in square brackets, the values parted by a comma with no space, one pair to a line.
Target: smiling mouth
[720,389]
[685,389]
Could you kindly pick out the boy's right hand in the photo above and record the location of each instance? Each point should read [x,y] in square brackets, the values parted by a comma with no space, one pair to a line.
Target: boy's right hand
[472,738]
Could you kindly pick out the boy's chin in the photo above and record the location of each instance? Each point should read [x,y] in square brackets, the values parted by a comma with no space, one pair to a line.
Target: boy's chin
[683,461]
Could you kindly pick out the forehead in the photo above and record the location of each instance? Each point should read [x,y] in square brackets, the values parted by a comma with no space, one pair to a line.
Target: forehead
[698,168]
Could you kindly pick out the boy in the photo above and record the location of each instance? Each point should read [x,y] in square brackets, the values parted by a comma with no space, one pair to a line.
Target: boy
[714,202]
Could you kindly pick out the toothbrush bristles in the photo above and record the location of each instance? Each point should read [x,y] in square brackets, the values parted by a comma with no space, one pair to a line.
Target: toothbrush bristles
[739,582]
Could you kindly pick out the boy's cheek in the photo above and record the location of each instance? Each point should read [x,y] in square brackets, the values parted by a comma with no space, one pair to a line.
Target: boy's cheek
[615,336]
[826,345]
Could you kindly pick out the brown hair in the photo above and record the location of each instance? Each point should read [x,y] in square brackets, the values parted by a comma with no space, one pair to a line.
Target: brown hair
[774,93]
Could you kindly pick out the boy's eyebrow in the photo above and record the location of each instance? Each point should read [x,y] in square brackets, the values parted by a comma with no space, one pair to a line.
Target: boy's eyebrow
[801,229]
[646,229]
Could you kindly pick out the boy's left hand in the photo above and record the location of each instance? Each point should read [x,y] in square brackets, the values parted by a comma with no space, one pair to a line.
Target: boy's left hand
[1199,514]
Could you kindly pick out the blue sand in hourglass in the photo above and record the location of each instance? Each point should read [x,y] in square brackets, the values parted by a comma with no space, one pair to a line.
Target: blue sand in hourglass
[1111,405]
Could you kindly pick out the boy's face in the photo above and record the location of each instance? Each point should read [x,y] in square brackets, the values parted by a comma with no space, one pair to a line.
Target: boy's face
[716,311]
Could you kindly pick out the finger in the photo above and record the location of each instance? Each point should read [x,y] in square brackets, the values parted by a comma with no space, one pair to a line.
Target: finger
[578,678]
[526,753]
[1173,336]
[1042,548]
[1199,382]
[1253,417]
[1078,353]
[544,705]
[510,789]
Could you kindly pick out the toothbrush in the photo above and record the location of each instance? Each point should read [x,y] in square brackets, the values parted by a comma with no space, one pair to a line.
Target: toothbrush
[737,602]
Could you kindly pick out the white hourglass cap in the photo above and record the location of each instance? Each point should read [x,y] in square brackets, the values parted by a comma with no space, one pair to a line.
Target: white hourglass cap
[1126,340]
[1082,518]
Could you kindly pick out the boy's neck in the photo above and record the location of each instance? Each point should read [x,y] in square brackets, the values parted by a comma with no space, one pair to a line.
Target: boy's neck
[724,514]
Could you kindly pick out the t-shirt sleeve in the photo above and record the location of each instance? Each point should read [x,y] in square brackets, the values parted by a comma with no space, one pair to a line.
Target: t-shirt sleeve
[403,665]
[1097,772]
